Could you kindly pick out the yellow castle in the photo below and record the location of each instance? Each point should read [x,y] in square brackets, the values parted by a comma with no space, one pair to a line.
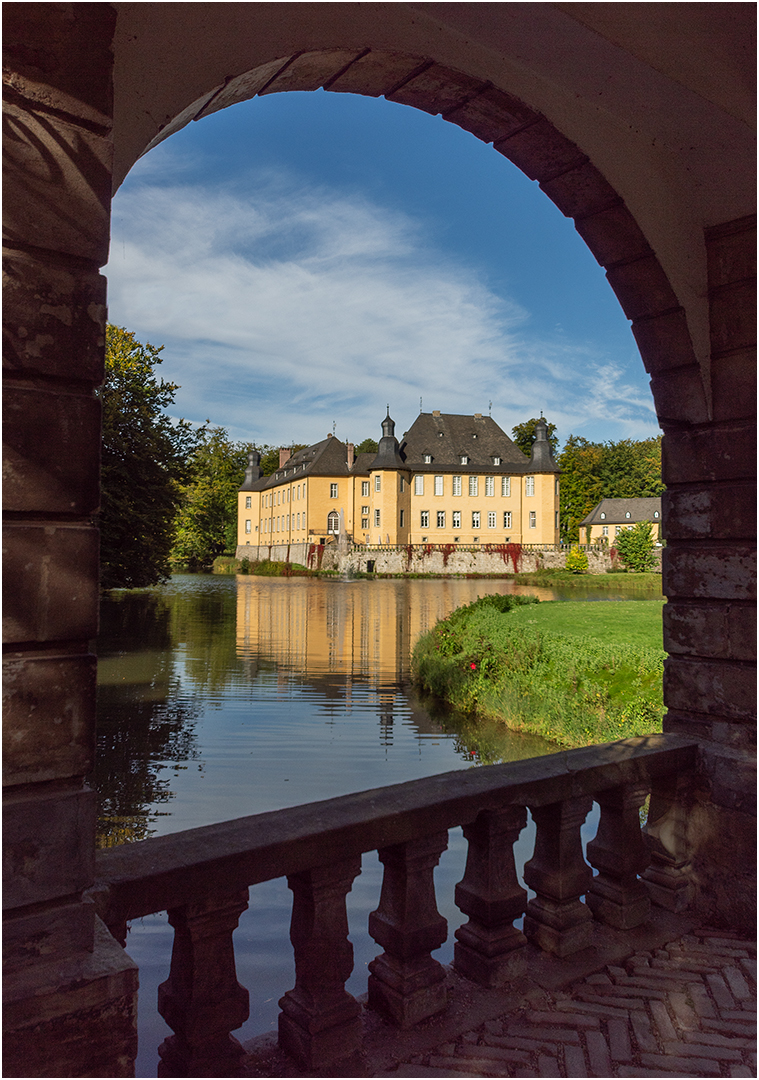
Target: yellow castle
[451,480]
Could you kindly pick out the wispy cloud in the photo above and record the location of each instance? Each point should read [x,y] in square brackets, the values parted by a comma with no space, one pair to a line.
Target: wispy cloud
[285,308]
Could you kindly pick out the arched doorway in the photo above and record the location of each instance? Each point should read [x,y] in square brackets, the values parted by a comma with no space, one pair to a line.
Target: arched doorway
[578,101]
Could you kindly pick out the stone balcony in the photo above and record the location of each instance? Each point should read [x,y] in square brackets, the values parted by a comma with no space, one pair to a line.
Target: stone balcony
[574,923]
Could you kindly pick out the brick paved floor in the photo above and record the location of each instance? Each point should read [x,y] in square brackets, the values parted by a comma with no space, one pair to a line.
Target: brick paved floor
[657,1002]
[686,1010]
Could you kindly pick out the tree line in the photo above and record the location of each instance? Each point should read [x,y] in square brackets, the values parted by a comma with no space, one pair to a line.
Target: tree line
[169,488]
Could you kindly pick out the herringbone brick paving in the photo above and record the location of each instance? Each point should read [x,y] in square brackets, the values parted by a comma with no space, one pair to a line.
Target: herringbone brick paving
[686,1010]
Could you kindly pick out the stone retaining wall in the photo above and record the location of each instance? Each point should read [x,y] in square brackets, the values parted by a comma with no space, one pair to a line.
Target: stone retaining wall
[426,558]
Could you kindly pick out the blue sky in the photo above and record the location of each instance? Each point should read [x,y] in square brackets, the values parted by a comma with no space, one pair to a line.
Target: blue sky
[308,258]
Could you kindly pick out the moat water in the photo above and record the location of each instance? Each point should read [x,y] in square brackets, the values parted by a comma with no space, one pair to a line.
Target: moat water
[220,697]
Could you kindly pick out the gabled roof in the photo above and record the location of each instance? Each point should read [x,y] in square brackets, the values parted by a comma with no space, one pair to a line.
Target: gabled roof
[446,437]
[326,458]
[615,512]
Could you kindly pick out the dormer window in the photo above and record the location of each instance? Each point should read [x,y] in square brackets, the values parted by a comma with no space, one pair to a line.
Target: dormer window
[427,459]
[474,434]
[627,513]
[603,516]
[656,513]
[464,460]
[496,460]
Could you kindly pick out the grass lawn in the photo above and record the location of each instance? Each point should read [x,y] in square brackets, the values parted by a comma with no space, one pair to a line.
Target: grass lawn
[576,672]
[633,583]
[631,622]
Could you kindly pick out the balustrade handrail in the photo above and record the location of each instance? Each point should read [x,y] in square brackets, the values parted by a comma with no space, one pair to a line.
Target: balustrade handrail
[166,872]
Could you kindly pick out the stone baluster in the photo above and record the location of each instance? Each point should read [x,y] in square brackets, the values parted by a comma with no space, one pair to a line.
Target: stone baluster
[556,920]
[489,947]
[202,1000]
[618,853]
[668,874]
[406,984]
[319,1024]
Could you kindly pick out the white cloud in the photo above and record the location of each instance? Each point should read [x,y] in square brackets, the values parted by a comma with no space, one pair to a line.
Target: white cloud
[283,309]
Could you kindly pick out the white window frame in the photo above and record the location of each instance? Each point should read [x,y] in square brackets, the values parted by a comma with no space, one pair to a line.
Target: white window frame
[456,485]
[475,519]
[456,516]
[248,525]
[378,482]
[333,491]
[604,530]
[424,519]
[507,519]
[419,484]
[441,519]
[474,486]
[490,485]
[248,502]
[529,486]
[506,486]
[365,489]
[492,519]
[438,490]
[333,523]
[427,459]
[533,519]
[376,519]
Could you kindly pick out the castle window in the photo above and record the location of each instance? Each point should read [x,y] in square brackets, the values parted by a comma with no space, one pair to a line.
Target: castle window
[627,513]
[529,485]
[464,460]
[333,522]
[475,519]
[533,519]
[490,485]
[378,482]
[441,519]
[333,491]
[604,530]
[402,521]
[456,485]
[376,518]
[247,526]
[247,502]
[365,523]
[364,509]
[424,520]
[365,488]
[656,513]
[557,487]
[506,486]
[438,485]
[491,519]
[402,484]
[496,460]
[603,516]
[456,519]
[507,519]
[474,482]
[427,459]
[419,485]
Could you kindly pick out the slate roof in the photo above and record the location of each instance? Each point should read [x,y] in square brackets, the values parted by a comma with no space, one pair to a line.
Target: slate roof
[448,436]
[615,512]
[326,458]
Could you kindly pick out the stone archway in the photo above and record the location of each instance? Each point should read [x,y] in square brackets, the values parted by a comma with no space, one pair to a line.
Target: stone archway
[57,195]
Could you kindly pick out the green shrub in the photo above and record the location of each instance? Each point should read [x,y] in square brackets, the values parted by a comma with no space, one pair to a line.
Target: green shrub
[576,561]
[636,547]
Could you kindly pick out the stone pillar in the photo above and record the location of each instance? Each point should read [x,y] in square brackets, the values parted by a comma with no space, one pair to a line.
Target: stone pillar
[319,1024]
[557,921]
[489,947]
[616,896]
[405,983]
[202,1001]
[70,990]
[709,467]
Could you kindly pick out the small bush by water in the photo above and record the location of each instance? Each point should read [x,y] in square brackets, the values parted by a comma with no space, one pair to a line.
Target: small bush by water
[576,673]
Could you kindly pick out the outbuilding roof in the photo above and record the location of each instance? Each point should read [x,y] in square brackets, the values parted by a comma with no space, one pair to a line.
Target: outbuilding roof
[623,511]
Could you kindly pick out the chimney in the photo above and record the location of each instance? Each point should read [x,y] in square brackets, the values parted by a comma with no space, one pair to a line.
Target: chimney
[436,412]
[351,452]
[329,434]
[284,455]
[478,416]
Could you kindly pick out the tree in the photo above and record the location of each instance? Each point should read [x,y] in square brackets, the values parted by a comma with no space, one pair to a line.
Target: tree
[207,520]
[524,436]
[144,461]
[368,446]
[636,547]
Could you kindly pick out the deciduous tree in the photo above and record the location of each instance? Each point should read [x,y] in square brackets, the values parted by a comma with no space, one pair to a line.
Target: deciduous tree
[524,435]
[636,547]
[144,462]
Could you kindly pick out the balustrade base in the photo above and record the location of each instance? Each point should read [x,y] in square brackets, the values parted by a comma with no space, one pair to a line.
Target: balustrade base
[488,958]
[407,992]
[320,1039]
[561,929]
[622,908]
[223,1057]
[668,887]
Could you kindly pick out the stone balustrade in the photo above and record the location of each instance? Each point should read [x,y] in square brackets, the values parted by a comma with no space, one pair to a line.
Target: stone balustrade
[201,877]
